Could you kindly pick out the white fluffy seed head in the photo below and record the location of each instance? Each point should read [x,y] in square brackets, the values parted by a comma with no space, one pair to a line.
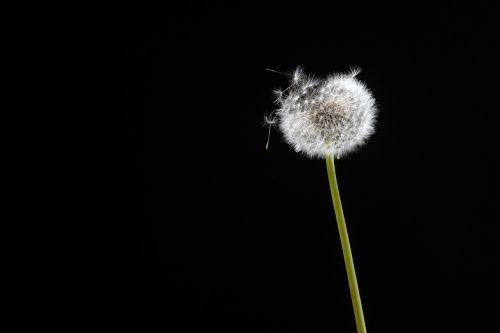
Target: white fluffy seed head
[323,117]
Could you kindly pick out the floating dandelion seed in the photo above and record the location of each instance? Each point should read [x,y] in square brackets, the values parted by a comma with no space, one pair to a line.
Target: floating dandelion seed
[269,120]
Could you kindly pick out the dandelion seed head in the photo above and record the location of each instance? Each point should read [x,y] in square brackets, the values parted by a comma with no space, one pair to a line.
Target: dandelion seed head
[335,115]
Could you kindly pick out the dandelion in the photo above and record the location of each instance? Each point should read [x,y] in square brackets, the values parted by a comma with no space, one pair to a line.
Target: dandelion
[329,118]
[324,117]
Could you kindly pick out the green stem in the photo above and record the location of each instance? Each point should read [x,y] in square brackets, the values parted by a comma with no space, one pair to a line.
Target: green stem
[346,247]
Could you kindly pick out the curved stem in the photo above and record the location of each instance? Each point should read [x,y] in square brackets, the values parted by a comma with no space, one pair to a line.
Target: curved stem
[346,247]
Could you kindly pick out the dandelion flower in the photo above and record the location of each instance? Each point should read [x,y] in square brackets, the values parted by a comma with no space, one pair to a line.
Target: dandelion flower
[319,118]
[328,118]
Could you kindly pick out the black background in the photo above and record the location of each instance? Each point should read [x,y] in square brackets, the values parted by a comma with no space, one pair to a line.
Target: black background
[211,231]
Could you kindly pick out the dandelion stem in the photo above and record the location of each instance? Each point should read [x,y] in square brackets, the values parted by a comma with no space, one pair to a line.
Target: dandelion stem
[346,247]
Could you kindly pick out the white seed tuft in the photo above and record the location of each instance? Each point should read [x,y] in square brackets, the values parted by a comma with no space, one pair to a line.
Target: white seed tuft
[270,120]
[323,117]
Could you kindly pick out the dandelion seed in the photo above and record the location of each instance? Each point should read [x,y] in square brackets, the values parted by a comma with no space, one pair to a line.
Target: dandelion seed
[354,71]
[298,75]
[269,120]
[279,95]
